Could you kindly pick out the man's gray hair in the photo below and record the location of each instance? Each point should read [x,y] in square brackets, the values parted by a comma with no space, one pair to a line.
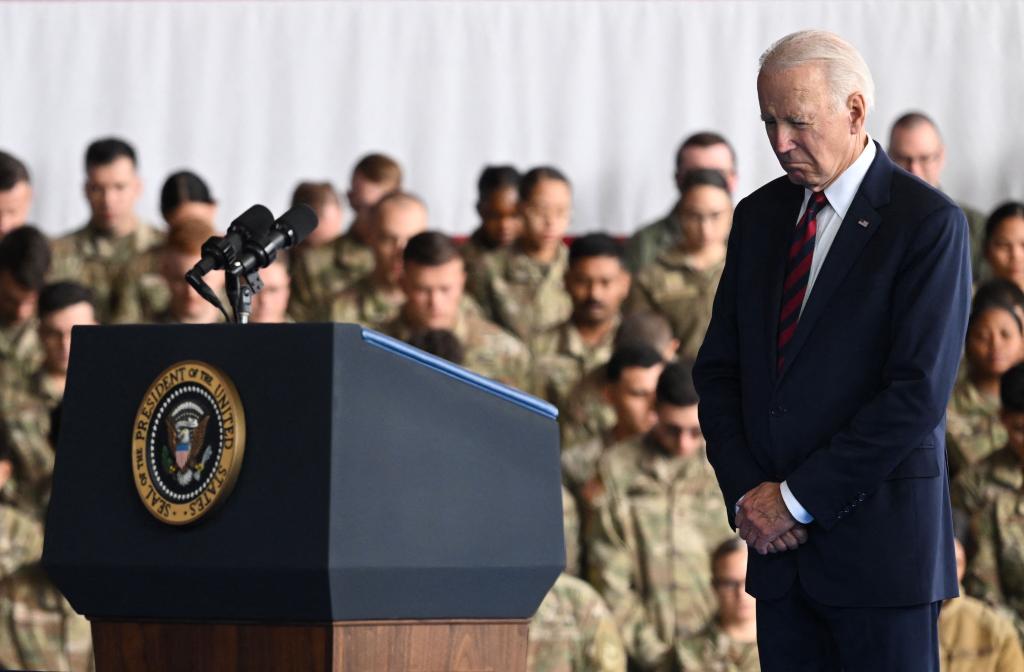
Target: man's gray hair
[845,69]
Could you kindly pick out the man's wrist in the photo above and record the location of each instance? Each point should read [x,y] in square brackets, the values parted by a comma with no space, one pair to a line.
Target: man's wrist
[798,512]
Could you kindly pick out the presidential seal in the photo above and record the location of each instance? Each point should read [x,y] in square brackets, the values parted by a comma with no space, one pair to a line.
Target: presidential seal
[187,443]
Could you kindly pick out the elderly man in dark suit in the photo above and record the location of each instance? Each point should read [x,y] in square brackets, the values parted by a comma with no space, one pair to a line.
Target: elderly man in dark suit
[824,377]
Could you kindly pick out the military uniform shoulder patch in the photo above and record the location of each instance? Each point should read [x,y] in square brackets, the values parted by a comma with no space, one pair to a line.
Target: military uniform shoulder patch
[187,442]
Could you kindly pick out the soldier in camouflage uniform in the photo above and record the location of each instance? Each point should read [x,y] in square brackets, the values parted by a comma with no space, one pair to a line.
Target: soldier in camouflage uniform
[631,377]
[375,300]
[433,281]
[974,637]
[97,254]
[657,523]
[682,281]
[572,630]
[597,282]
[500,223]
[320,273]
[270,305]
[728,643]
[991,493]
[705,150]
[24,261]
[182,251]
[995,341]
[522,288]
[1003,229]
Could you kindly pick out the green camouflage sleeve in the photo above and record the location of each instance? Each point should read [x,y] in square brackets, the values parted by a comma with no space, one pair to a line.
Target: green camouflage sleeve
[604,651]
[983,579]
[21,540]
[614,573]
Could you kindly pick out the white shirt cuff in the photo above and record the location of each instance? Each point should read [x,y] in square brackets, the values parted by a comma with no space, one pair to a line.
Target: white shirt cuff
[797,511]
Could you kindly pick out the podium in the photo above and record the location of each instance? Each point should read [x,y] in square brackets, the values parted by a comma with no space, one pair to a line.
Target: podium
[391,511]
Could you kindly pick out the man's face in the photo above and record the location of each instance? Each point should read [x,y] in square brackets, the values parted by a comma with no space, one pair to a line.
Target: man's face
[597,286]
[17,303]
[14,206]
[677,430]
[270,305]
[632,397]
[396,223]
[55,334]
[433,294]
[499,215]
[919,150]
[112,190]
[364,194]
[546,215]
[813,142]
[186,305]
[729,581]
[706,214]
[714,157]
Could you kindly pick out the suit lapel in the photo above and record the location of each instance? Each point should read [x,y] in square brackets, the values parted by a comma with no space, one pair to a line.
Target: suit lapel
[782,224]
[860,224]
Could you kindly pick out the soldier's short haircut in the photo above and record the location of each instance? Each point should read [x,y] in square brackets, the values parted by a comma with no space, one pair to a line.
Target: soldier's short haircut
[703,177]
[12,171]
[430,248]
[494,178]
[1011,390]
[379,169]
[188,236]
[439,342]
[532,178]
[644,328]
[25,254]
[675,385]
[59,295]
[630,355]
[595,245]
[391,198]
[182,187]
[913,119]
[1000,290]
[724,550]
[1003,212]
[705,139]
[105,151]
[315,194]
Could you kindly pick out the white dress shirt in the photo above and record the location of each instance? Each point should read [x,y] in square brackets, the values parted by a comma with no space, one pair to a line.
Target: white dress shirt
[840,196]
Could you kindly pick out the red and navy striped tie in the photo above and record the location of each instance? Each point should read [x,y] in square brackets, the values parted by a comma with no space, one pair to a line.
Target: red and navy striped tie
[798,270]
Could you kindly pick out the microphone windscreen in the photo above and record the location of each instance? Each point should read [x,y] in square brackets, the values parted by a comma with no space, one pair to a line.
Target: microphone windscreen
[301,220]
[254,223]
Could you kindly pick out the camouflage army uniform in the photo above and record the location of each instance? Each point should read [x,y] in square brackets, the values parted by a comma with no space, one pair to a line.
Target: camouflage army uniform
[474,250]
[520,294]
[572,631]
[991,492]
[649,546]
[365,303]
[711,650]
[320,273]
[579,460]
[141,292]
[973,428]
[680,292]
[21,352]
[96,260]
[487,348]
[644,246]
[26,414]
[587,414]
[976,225]
[571,530]
[561,359]
[974,637]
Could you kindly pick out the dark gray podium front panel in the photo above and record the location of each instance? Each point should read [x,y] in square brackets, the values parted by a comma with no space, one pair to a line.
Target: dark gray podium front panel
[373,486]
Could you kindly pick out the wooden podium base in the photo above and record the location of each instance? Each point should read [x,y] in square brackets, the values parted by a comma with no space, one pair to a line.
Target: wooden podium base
[342,646]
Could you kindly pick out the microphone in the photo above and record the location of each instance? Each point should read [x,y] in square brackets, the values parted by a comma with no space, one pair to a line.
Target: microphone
[218,252]
[288,231]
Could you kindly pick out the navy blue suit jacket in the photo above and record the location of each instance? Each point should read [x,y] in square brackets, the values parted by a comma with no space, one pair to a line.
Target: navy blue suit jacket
[855,422]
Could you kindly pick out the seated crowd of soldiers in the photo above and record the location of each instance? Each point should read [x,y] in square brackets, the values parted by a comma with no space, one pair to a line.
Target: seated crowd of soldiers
[606,332]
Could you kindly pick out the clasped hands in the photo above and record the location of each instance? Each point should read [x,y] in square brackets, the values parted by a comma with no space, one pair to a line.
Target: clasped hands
[765,523]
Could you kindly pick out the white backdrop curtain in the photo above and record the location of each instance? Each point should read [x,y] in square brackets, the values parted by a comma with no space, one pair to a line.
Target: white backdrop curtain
[255,96]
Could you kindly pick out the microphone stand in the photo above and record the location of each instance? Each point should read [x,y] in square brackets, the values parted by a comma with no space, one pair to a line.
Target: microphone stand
[241,290]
